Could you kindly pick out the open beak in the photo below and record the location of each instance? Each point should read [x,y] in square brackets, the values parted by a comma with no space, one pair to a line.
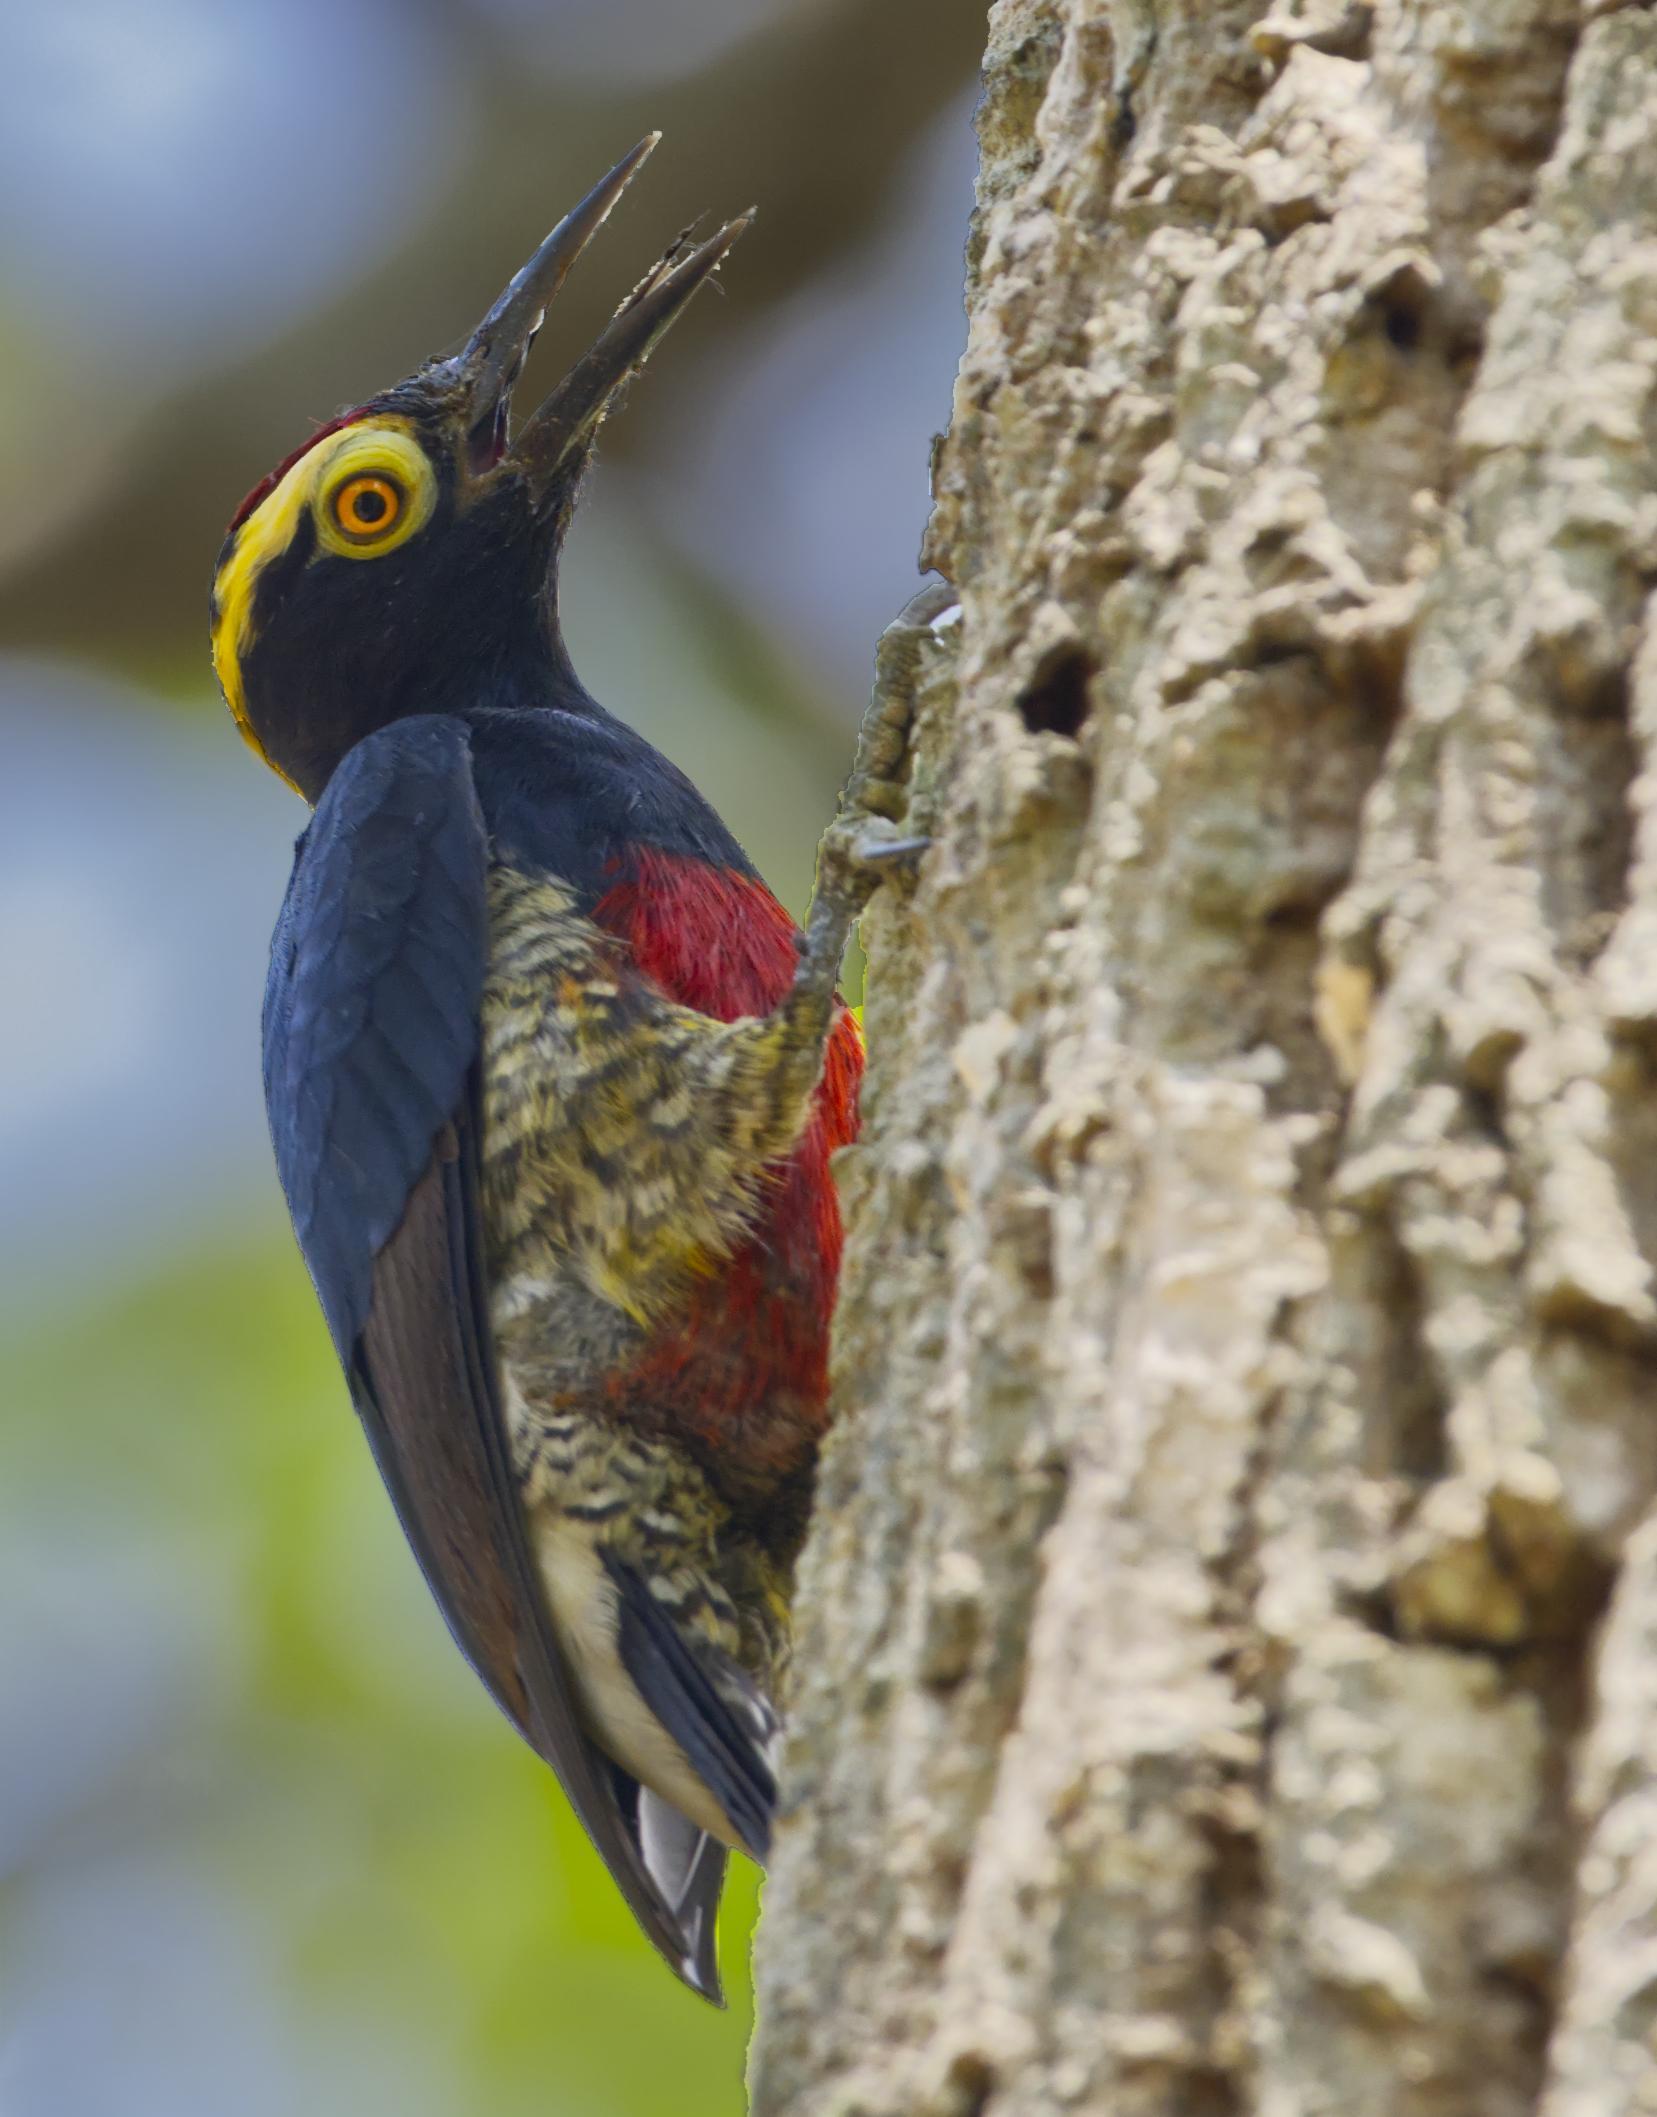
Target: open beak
[492,359]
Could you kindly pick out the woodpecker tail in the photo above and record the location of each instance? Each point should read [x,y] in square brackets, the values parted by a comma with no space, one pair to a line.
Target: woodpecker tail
[688,1866]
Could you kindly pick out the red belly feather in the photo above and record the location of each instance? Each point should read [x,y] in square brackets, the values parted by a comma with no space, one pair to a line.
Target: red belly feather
[748,1368]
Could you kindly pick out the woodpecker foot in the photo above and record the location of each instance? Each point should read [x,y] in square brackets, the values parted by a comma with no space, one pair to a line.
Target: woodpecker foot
[866,839]
[876,784]
[849,862]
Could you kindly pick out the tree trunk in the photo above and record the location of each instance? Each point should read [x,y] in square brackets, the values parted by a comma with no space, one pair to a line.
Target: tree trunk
[1228,1652]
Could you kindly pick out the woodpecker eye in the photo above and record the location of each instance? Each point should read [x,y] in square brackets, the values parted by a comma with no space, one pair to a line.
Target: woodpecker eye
[372,490]
[368,507]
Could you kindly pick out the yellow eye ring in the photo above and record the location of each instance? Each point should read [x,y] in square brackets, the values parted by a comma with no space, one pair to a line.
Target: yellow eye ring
[376,465]
[368,507]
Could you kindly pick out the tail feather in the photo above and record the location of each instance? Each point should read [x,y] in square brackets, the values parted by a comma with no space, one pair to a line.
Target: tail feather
[688,1867]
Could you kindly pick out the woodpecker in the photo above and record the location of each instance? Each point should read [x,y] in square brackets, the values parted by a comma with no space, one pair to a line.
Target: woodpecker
[553,1082]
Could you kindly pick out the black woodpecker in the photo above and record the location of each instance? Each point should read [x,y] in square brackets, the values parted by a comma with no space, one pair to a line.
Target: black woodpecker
[553,1083]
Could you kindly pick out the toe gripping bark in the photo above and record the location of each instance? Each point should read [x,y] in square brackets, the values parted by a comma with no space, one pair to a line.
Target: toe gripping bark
[866,840]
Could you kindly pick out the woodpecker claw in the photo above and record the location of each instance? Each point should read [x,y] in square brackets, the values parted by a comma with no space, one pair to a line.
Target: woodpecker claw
[899,851]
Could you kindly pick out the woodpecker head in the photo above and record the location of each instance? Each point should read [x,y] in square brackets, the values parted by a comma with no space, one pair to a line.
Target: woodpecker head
[401,561]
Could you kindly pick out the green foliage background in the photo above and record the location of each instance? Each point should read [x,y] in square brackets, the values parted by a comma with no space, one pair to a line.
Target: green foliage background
[415,1857]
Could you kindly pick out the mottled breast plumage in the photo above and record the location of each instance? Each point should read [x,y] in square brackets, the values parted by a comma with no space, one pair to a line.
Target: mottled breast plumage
[627,1138]
[635,1154]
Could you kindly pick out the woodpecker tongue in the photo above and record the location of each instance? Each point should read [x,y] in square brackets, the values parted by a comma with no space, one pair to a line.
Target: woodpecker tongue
[564,422]
[491,360]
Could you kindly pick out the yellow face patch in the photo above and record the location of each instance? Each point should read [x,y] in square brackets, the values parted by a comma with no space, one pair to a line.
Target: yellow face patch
[367,488]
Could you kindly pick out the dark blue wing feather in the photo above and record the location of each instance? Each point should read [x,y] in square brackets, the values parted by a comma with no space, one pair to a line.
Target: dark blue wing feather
[371,1012]
[371,1033]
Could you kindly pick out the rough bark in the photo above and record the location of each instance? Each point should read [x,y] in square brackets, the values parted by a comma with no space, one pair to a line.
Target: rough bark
[1228,1658]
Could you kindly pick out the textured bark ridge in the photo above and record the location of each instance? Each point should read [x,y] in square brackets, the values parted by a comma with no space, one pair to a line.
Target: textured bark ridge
[1229,1651]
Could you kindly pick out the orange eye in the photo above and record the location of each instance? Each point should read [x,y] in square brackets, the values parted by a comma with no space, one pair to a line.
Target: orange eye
[367,508]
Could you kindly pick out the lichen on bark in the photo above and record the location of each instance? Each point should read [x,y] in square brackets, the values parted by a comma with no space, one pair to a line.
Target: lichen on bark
[1227,1630]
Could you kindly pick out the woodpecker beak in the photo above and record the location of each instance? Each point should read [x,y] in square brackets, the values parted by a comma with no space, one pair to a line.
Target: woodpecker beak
[557,432]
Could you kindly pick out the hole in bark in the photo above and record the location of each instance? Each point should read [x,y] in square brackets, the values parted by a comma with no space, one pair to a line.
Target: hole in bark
[1372,1608]
[1403,307]
[1484,1093]
[1298,915]
[1600,765]
[973,2078]
[1405,1408]
[1526,1994]
[1231,1907]
[1211,2092]
[1279,654]
[1056,701]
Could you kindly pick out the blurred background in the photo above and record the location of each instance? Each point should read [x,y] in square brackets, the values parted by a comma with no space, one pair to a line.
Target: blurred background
[264,1846]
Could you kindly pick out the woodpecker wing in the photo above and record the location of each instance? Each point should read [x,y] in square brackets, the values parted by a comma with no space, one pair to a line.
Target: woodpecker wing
[370,1049]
